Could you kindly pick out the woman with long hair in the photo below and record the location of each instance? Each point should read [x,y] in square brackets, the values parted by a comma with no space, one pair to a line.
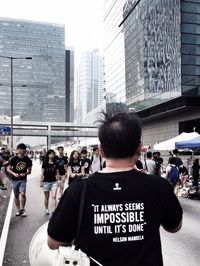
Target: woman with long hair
[74,166]
[49,180]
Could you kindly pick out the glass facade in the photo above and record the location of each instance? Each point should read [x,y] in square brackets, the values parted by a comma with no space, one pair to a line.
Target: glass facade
[190,29]
[90,83]
[69,56]
[114,52]
[39,84]
[151,51]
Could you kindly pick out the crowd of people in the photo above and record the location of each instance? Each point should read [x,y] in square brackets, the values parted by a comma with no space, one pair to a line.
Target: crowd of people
[58,171]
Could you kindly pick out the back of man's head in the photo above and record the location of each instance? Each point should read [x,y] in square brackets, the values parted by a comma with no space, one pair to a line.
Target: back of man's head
[149,154]
[120,135]
[175,152]
[172,160]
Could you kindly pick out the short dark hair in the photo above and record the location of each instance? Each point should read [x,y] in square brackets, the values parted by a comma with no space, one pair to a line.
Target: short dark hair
[95,148]
[172,160]
[149,154]
[120,134]
[60,147]
[21,146]
[175,151]
[83,151]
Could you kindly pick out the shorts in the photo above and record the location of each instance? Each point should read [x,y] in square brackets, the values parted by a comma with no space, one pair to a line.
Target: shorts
[48,186]
[19,186]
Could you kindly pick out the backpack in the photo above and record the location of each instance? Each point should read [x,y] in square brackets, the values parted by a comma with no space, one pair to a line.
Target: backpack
[173,175]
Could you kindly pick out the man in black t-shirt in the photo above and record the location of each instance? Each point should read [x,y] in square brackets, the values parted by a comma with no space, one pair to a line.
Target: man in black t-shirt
[178,159]
[85,162]
[62,162]
[123,209]
[19,167]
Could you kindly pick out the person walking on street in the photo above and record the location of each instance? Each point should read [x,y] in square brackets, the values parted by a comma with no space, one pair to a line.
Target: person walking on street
[2,185]
[183,176]
[96,160]
[123,208]
[62,162]
[178,160]
[19,167]
[48,182]
[150,165]
[85,162]
[172,174]
[74,167]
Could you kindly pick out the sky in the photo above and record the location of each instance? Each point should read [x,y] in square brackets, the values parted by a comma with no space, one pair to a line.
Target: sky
[82,18]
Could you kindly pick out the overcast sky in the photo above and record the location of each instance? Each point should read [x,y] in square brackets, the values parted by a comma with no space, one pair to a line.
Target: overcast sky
[82,18]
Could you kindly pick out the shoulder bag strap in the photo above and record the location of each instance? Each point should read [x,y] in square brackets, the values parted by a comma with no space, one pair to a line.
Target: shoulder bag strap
[81,207]
[146,165]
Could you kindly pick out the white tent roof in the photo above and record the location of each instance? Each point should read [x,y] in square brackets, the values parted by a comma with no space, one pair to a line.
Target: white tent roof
[170,143]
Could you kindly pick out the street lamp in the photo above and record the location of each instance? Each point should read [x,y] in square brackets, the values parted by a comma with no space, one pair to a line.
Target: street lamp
[11,58]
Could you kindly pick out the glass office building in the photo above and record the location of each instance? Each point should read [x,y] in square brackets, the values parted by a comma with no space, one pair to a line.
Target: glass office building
[69,56]
[152,50]
[91,80]
[152,63]
[38,84]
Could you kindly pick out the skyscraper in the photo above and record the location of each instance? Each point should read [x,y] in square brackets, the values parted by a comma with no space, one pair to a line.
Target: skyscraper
[39,84]
[69,56]
[151,63]
[90,82]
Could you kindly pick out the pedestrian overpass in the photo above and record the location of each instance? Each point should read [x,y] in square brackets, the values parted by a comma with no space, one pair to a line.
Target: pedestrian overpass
[52,129]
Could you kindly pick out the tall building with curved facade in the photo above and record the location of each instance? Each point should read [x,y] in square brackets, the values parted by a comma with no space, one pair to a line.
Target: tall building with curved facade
[39,84]
[152,63]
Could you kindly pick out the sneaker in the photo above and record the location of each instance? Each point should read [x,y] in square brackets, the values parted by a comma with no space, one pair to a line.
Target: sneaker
[47,211]
[18,213]
[23,213]
[3,187]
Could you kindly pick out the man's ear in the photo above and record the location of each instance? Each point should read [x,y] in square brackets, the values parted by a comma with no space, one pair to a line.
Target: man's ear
[101,151]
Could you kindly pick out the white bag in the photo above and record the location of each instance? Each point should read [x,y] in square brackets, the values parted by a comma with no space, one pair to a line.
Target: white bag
[70,256]
[41,255]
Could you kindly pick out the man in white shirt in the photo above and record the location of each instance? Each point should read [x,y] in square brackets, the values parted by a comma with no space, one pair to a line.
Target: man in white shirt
[150,165]
[96,160]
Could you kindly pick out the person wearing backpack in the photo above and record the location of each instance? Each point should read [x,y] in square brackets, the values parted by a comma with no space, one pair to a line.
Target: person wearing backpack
[172,174]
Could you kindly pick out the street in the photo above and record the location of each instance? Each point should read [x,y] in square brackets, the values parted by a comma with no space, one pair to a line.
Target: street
[181,248]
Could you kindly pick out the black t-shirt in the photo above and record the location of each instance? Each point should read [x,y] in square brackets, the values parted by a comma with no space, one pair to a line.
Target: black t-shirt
[61,162]
[160,160]
[178,161]
[122,215]
[86,164]
[50,170]
[20,166]
[183,170]
[139,165]
[76,167]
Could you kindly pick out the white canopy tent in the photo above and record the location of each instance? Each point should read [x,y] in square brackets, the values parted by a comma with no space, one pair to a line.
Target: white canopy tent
[170,143]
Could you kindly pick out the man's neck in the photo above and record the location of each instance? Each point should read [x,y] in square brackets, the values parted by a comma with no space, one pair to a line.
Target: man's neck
[119,165]
[21,155]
